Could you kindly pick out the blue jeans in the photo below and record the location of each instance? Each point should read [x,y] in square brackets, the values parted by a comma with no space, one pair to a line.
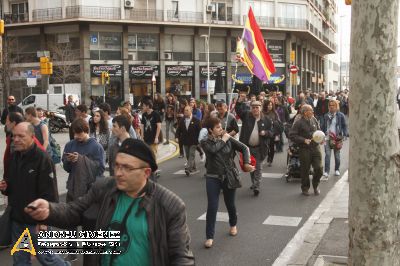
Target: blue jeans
[214,186]
[22,258]
[336,153]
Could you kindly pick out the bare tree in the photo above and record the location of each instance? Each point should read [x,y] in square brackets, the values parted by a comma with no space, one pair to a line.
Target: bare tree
[65,62]
[374,143]
[8,58]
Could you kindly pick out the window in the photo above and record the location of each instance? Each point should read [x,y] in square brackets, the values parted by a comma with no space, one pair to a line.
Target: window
[181,47]
[19,12]
[29,100]
[175,9]
[222,12]
[143,46]
[105,46]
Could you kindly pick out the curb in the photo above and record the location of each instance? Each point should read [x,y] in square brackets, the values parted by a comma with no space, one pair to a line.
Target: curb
[174,154]
[302,246]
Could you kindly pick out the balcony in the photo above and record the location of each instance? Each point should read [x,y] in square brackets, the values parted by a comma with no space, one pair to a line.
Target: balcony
[292,23]
[144,15]
[184,16]
[47,14]
[264,21]
[10,18]
[94,12]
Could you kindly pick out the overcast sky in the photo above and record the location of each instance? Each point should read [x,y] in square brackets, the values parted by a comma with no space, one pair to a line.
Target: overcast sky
[344,23]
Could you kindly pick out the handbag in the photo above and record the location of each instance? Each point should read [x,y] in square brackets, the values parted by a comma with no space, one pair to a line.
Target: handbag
[5,228]
[233,178]
[335,142]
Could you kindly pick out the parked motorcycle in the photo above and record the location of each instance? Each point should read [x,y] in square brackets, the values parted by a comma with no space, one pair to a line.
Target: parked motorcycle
[57,121]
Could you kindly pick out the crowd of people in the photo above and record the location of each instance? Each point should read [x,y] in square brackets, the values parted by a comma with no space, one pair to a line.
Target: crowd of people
[125,146]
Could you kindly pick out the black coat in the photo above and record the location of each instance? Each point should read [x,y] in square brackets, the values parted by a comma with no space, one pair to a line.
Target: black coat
[190,136]
[29,176]
[248,122]
[10,109]
[169,236]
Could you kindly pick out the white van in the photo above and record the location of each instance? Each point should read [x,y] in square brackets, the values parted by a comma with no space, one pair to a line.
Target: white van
[40,100]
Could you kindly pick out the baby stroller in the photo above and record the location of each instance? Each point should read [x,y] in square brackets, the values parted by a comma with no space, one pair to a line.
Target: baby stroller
[293,162]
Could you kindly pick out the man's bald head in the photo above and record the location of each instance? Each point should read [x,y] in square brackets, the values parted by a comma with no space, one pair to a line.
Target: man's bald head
[307,111]
[23,134]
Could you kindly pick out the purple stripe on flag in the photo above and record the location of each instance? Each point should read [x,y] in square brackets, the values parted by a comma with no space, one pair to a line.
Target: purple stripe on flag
[258,68]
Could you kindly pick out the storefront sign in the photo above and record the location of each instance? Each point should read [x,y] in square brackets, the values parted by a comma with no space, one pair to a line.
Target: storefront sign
[278,77]
[113,70]
[142,71]
[276,50]
[213,71]
[179,71]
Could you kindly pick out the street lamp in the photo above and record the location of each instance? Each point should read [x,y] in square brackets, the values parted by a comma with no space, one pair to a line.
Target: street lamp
[207,42]
[153,84]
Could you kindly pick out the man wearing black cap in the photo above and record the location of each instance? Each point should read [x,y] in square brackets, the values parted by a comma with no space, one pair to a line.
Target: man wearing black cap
[151,219]
[255,133]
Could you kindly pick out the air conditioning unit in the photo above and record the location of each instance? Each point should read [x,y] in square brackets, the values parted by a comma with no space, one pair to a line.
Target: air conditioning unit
[168,56]
[210,8]
[129,3]
[132,56]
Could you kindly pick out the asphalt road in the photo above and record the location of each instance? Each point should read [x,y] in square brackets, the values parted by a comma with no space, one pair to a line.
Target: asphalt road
[256,243]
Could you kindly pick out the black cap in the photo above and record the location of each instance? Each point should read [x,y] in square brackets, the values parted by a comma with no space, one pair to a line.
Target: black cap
[220,101]
[140,150]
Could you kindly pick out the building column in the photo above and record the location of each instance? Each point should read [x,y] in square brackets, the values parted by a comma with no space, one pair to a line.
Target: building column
[228,49]
[196,50]
[125,58]
[162,62]
[85,63]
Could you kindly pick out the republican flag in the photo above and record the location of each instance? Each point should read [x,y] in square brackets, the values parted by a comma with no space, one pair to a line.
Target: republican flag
[252,51]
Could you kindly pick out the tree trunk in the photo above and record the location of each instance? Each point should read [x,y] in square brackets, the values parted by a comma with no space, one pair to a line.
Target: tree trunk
[374,177]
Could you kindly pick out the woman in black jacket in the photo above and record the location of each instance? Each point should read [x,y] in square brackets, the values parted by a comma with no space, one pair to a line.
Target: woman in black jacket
[220,151]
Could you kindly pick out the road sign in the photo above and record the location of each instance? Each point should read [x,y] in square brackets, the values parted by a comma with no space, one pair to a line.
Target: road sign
[211,86]
[31,82]
[293,69]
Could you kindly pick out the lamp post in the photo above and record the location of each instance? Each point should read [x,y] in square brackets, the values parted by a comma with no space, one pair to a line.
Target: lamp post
[207,42]
[153,84]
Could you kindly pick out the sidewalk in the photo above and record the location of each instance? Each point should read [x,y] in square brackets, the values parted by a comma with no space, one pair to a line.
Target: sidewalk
[323,239]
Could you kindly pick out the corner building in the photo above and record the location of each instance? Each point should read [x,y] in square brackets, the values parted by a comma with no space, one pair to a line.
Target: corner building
[162,44]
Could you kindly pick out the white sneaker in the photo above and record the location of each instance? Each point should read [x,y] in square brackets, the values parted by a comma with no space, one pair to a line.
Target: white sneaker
[325,174]
[337,173]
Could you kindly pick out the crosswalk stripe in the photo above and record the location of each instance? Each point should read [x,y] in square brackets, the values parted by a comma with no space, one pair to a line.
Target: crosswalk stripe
[221,217]
[283,220]
[272,175]
[180,172]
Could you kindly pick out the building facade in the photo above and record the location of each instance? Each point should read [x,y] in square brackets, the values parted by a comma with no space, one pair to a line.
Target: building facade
[161,46]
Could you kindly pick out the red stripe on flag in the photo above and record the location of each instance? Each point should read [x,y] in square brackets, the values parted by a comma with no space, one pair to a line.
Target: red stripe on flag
[260,42]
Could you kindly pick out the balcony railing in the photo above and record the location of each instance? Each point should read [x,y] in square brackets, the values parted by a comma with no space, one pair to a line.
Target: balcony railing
[10,18]
[111,13]
[292,23]
[47,14]
[144,15]
[184,16]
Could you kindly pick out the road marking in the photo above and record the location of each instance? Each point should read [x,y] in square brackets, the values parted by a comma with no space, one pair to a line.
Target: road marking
[180,172]
[272,175]
[283,220]
[296,244]
[221,217]
[324,178]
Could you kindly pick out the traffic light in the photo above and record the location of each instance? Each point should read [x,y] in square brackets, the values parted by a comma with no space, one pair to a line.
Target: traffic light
[46,67]
[1,27]
[105,78]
